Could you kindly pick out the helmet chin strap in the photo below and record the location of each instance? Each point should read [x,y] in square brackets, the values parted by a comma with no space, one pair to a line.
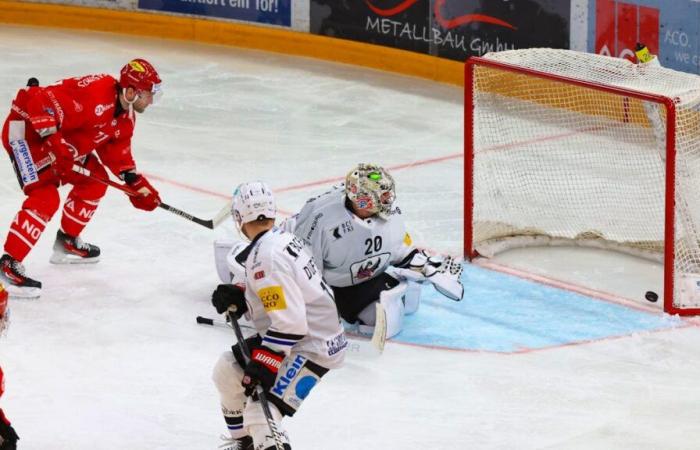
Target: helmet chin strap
[241,233]
[130,103]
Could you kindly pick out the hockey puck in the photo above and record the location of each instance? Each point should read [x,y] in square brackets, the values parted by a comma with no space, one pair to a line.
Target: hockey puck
[651,296]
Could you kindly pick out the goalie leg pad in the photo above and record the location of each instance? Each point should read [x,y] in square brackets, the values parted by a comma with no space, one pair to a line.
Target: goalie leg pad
[392,301]
[221,249]
[230,270]
[412,298]
[227,376]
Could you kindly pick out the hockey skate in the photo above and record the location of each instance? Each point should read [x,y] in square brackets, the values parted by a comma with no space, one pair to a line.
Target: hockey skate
[17,283]
[72,250]
[244,443]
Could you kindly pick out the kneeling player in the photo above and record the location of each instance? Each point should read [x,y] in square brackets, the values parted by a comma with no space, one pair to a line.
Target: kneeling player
[359,240]
[299,336]
[8,436]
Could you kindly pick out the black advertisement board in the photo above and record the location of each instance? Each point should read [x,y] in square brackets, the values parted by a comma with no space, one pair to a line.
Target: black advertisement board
[453,29]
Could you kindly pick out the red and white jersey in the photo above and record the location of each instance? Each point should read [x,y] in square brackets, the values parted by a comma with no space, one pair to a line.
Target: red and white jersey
[2,390]
[87,113]
[350,250]
[289,303]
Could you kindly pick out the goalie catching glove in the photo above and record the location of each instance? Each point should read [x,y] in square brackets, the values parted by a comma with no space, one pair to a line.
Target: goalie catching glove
[148,198]
[443,272]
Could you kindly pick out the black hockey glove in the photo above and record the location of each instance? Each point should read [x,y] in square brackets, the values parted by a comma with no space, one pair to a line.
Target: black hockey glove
[227,295]
[261,369]
[8,437]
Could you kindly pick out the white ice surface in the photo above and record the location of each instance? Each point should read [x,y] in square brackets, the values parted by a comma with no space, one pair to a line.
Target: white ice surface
[110,357]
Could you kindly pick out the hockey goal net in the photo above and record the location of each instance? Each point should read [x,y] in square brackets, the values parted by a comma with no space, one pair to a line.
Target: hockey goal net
[563,146]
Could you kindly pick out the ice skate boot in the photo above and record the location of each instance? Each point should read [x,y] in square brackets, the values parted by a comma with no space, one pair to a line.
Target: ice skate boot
[17,283]
[72,250]
[244,443]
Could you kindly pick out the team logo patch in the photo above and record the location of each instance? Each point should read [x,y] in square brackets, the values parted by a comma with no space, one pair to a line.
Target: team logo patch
[407,240]
[259,275]
[272,298]
[137,66]
[364,202]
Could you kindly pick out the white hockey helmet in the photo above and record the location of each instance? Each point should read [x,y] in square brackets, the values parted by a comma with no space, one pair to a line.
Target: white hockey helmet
[253,201]
[370,187]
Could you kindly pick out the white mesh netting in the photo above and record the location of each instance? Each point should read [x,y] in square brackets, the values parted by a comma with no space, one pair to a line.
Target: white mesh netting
[556,160]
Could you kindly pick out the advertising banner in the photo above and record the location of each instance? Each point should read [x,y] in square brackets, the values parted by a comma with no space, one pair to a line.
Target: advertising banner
[451,29]
[274,12]
[109,4]
[669,28]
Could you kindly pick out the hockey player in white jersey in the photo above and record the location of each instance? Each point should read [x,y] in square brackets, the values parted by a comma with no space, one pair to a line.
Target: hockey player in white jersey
[299,335]
[359,240]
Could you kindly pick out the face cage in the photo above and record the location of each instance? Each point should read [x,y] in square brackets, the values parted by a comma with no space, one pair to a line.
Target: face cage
[156,93]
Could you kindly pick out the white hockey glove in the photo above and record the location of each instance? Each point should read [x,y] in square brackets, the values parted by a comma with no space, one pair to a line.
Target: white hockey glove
[445,276]
[443,272]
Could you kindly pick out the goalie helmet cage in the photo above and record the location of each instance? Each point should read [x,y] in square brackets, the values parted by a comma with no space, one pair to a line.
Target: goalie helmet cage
[583,149]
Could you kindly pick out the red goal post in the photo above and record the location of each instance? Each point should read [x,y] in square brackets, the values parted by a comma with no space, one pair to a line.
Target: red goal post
[567,147]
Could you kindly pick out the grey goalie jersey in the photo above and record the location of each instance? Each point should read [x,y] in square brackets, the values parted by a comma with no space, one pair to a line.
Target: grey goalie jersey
[288,302]
[350,250]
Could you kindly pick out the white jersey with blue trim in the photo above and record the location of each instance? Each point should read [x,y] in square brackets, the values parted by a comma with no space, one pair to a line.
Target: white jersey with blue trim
[289,303]
[350,250]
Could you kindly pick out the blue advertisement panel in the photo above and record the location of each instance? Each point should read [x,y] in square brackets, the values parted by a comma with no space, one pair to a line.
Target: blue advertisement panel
[274,12]
[669,28]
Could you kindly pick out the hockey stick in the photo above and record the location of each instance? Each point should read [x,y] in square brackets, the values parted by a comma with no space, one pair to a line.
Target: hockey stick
[211,224]
[360,345]
[279,445]
[220,323]
[124,188]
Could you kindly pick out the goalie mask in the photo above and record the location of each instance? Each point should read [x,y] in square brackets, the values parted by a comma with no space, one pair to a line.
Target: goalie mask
[370,188]
[253,201]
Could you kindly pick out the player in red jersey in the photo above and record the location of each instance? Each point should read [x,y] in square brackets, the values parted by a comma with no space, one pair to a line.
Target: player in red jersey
[88,121]
[8,436]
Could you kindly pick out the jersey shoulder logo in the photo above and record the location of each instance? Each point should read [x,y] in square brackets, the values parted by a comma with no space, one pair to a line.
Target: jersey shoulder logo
[342,229]
[272,298]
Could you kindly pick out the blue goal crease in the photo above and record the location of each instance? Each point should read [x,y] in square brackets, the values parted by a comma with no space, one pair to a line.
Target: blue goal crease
[504,313]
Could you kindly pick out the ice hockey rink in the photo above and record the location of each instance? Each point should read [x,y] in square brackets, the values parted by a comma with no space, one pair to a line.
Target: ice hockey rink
[110,357]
